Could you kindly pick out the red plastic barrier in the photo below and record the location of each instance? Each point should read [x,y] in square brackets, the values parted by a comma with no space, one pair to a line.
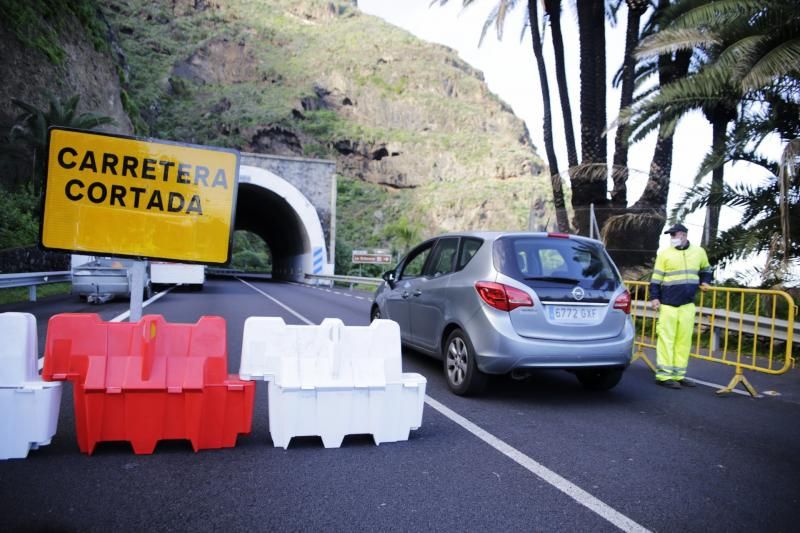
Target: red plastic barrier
[148,381]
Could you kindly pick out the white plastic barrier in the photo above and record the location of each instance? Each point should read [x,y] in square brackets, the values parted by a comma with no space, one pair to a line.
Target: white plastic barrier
[28,406]
[332,380]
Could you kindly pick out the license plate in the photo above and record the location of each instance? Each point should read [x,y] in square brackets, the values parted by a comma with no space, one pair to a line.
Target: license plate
[573,314]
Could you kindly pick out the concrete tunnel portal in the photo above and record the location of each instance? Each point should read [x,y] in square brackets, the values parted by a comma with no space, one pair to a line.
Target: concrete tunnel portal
[279,213]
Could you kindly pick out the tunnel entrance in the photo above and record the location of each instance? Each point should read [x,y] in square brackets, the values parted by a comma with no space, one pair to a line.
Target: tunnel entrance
[250,253]
[276,211]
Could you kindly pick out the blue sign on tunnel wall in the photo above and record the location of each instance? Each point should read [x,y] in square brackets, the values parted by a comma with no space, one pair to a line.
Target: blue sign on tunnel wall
[317,260]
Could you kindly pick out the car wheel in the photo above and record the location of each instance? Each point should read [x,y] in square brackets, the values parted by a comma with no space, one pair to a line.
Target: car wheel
[460,368]
[599,378]
[147,293]
[375,314]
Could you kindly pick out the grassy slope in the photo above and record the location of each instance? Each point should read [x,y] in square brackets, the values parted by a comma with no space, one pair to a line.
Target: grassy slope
[396,79]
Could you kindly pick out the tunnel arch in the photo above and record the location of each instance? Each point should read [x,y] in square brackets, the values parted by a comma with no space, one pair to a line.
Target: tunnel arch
[279,213]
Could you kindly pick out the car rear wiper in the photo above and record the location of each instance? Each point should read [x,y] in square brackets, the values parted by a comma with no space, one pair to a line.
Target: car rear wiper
[556,279]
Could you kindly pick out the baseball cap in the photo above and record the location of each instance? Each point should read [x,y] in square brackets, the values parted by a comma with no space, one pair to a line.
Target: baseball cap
[676,228]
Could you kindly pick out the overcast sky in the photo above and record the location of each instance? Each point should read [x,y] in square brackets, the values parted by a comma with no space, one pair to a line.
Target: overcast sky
[510,71]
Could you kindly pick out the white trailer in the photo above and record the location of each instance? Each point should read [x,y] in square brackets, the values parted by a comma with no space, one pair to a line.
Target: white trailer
[163,273]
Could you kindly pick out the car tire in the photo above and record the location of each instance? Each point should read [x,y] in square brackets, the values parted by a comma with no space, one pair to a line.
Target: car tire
[375,314]
[460,368]
[599,379]
[147,293]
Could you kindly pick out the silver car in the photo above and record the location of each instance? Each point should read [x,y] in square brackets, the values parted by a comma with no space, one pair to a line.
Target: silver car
[497,303]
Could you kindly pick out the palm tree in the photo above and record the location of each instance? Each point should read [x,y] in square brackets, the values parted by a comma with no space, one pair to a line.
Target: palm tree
[633,229]
[404,234]
[553,10]
[589,182]
[637,230]
[744,51]
[555,177]
[768,212]
[627,77]
[30,131]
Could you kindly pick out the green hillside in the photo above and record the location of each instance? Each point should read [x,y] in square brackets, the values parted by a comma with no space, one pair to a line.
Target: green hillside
[415,132]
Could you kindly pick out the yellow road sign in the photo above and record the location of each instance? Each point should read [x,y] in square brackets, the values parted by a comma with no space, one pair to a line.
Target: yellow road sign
[114,195]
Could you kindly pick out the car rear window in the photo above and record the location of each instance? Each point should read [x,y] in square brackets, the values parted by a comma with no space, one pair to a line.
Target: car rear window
[548,261]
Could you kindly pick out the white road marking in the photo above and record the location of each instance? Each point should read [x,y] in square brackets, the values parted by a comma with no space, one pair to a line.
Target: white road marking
[349,295]
[126,314]
[289,309]
[562,484]
[123,316]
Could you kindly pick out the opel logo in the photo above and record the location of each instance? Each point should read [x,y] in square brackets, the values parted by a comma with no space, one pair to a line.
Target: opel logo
[578,293]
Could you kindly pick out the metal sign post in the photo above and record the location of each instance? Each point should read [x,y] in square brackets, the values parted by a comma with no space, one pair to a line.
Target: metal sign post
[137,290]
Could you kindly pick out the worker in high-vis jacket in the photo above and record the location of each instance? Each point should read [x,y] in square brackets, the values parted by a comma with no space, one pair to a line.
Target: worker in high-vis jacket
[678,272]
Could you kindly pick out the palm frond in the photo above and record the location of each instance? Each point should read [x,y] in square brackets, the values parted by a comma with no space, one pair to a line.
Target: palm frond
[711,161]
[738,56]
[89,121]
[504,7]
[671,40]
[644,72]
[644,95]
[779,61]
[718,13]
[496,17]
[640,130]
[749,156]
[491,18]
[28,108]
[700,196]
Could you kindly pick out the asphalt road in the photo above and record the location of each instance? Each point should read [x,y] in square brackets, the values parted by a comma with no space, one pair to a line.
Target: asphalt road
[538,455]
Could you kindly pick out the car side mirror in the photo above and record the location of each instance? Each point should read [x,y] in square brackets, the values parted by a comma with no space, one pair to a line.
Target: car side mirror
[389,278]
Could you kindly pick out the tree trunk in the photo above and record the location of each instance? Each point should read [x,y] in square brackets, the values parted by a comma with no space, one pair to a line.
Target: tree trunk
[632,239]
[552,162]
[619,170]
[553,8]
[719,116]
[589,182]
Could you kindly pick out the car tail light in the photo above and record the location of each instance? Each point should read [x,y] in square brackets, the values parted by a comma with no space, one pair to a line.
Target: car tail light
[623,302]
[503,297]
[559,235]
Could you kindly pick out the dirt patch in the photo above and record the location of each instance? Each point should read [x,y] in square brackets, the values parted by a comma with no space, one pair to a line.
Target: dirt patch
[219,62]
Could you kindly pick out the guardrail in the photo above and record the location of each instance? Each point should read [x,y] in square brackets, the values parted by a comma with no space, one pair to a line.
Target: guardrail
[33,279]
[353,280]
[724,333]
[214,271]
[233,272]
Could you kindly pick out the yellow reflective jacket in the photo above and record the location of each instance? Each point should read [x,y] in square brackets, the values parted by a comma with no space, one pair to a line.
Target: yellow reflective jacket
[678,273]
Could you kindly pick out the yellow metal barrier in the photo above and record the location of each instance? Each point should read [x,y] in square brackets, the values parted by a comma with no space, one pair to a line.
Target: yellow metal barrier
[734,326]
